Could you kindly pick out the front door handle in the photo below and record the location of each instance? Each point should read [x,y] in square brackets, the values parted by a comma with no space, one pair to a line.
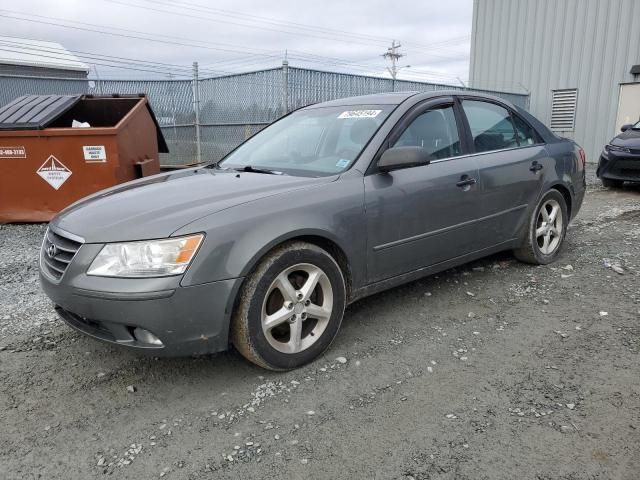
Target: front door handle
[466,181]
[535,166]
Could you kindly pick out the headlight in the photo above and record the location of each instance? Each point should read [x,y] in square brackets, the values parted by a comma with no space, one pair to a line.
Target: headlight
[616,148]
[152,258]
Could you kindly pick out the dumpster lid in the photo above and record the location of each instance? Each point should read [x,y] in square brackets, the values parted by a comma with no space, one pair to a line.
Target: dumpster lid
[35,112]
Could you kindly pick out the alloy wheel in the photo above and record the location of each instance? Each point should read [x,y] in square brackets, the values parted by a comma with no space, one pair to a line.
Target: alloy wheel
[549,227]
[297,308]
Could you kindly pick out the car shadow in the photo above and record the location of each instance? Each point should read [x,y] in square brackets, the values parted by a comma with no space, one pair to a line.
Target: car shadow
[230,369]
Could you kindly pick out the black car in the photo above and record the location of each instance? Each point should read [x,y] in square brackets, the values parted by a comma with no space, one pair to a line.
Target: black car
[620,159]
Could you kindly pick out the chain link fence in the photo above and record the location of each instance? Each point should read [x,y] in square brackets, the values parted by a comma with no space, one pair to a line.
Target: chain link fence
[232,108]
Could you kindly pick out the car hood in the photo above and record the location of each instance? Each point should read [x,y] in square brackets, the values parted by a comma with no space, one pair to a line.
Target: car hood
[158,206]
[628,139]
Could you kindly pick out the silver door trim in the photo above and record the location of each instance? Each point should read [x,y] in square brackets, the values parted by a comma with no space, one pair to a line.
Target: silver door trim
[420,236]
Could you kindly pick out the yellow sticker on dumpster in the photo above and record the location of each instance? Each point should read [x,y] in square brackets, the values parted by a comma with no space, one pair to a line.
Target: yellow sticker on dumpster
[13,152]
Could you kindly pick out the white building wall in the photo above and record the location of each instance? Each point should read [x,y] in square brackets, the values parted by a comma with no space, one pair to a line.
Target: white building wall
[544,45]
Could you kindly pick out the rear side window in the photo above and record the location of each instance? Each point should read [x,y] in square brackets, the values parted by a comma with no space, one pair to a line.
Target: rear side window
[491,126]
[434,130]
[525,133]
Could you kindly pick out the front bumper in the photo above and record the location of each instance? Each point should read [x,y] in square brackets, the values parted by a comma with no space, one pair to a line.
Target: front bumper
[619,166]
[188,320]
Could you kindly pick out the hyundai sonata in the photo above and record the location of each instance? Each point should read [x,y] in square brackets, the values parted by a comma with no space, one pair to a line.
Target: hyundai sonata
[335,201]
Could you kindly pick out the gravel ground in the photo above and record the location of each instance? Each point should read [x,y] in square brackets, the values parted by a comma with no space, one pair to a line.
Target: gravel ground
[495,370]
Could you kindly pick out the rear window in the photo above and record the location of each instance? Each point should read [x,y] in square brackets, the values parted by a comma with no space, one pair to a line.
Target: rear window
[525,132]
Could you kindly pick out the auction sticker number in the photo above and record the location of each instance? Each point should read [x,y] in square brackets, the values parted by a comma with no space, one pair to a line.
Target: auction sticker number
[13,152]
[359,114]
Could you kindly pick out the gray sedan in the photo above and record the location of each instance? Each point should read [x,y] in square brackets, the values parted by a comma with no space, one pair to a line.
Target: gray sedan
[333,202]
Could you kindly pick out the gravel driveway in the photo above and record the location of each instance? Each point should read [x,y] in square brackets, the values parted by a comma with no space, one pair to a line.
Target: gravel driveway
[496,370]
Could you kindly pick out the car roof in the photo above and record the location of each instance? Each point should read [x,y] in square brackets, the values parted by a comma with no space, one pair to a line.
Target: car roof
[396,98]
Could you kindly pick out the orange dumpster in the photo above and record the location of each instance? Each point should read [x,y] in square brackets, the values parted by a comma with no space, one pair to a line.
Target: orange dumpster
[56,149]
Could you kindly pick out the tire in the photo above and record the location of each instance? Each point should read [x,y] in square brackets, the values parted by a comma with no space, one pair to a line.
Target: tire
[544,240]
[609,183]
[269,312]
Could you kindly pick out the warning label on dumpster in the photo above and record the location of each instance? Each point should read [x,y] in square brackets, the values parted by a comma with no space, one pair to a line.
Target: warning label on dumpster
[95,153]
[54,172]
[13,152]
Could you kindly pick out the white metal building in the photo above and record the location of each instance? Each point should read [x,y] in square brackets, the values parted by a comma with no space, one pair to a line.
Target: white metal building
[578,59]
[22,56]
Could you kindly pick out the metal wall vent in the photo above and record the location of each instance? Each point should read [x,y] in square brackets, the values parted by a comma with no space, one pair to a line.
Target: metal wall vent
[563,109]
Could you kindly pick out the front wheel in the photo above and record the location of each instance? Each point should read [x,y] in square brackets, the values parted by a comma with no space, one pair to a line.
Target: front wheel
[547,229]
[290,307]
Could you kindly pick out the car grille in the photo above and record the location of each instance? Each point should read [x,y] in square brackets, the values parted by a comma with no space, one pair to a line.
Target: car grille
[627,172]
[63,249]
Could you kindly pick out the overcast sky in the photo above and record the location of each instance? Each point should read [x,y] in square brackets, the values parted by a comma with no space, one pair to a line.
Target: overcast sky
[242,35]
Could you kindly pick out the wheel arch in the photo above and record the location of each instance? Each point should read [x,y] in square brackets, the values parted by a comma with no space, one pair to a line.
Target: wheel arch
[319,238]
[568,197]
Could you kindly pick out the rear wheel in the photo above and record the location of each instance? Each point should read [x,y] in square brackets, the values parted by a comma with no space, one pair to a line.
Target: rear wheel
[290,308]
[609,183]
[547,229]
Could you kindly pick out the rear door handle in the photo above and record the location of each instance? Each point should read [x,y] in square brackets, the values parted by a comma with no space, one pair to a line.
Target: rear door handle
[466,181]
[535,166]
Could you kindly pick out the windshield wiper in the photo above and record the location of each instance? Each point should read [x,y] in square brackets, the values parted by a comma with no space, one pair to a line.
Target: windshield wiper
[249,168]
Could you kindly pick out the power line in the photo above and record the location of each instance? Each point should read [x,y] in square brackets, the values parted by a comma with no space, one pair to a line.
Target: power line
[344,36]
[83,26]
[132,34]
[254,18]
[295,25]
[24,47]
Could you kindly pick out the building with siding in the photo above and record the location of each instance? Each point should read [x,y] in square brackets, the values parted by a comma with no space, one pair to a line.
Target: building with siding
[578,59]
[26,57]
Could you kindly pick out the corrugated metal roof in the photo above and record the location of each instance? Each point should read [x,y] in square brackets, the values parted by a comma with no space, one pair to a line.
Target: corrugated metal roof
[34,111]
[38,53]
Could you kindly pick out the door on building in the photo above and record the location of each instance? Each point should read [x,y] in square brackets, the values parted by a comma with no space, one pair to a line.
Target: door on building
[628,105]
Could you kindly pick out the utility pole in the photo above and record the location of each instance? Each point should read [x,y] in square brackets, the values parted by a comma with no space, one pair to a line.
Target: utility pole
[285,84]
[196,111]
[95,69]
[394,55]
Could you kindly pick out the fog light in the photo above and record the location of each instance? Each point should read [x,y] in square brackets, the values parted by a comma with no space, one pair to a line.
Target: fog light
[145,336]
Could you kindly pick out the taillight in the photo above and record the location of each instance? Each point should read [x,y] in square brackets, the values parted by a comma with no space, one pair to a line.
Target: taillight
[583,158]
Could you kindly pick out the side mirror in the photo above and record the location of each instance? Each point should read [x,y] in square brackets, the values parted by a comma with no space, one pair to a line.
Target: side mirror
[396,158]
[626,127]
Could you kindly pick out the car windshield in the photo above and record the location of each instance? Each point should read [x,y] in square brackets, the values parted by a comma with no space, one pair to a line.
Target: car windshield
[311,142]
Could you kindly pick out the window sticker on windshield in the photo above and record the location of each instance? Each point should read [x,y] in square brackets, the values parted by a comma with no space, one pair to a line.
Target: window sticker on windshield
[343,162]
[359,114]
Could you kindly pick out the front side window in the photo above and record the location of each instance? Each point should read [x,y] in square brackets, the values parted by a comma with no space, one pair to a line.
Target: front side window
[311,142]
[491,126]
[434,130]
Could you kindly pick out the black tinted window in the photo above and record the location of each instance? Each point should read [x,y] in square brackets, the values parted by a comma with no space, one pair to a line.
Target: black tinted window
[491,126]
[526,134]
[436,131]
